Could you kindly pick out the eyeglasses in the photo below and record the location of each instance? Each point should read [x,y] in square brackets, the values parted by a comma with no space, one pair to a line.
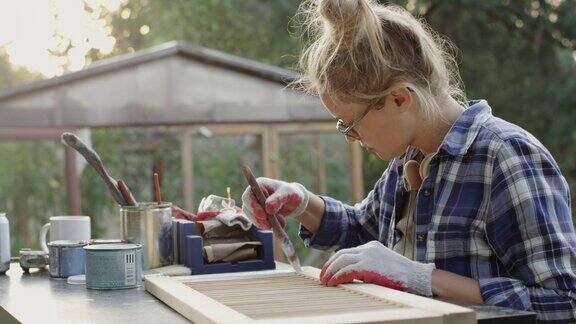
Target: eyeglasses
[348,130]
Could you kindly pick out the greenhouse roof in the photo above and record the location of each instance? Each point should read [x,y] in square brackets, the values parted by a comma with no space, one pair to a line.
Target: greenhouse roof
[171,84]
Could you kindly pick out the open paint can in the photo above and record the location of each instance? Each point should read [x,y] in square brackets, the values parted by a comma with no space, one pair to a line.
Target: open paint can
[150,224]
[113,266]
[67,258]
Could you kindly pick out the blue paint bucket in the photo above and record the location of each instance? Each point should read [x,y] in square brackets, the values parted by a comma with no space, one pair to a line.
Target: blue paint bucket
[67,258]
[113,266]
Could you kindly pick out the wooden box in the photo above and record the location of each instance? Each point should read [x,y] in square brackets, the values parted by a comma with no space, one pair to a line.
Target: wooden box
[284,296]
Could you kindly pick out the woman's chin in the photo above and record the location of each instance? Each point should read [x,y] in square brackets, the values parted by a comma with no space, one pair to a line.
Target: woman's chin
[378,154]
[381,155]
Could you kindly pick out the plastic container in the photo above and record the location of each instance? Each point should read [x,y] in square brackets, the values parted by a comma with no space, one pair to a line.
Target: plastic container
[4,243]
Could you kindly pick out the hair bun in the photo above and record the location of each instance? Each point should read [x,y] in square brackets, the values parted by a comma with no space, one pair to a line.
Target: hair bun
[343,16]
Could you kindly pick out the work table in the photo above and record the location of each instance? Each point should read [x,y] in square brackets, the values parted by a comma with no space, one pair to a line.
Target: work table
[36,298]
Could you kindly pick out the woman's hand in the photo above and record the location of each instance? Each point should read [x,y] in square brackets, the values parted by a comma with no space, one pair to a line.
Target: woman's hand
[283,199]
[377,264]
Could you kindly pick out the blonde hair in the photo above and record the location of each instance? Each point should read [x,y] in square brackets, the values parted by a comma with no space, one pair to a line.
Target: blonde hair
[359,50]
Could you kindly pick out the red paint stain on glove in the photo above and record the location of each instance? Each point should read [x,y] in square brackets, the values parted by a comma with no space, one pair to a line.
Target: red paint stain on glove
[330,279]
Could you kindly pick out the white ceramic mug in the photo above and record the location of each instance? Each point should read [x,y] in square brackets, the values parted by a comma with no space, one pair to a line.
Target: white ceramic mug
[75,228]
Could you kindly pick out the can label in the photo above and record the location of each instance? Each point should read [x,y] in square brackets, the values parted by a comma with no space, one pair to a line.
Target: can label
[130,268]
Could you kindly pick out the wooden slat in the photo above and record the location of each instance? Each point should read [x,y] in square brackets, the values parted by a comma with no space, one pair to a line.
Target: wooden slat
[257,128]
[281,296]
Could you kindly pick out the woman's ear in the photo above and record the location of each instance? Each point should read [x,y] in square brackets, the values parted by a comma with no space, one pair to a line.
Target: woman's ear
[402,98]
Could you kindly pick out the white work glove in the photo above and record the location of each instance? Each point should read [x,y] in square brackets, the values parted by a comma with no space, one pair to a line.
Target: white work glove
[375,263]
[283,199]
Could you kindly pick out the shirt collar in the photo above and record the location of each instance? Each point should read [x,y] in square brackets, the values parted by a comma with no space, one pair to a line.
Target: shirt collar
[460,136]
[464,131]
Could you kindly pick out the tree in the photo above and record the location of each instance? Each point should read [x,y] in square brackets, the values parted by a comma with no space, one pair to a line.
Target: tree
[11,76]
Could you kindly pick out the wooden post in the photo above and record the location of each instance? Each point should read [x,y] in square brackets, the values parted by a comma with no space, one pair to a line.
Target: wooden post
[320,166]
[356,176]
[187,169]
[270,153]
[72,182]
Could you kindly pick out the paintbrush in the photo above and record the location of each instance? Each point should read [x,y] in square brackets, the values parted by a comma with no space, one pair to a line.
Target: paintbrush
[285,243]
[125,191]
[157,189]
[94,160]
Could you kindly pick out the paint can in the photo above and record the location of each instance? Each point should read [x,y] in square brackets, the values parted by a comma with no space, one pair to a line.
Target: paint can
[113,266]
[67,258]
[150,225]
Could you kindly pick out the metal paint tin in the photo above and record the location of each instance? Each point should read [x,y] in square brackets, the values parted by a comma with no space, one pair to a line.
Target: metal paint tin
[67,258]
[150,225]
[113,266]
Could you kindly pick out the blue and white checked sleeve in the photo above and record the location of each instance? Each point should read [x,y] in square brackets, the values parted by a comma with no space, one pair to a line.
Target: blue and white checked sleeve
[531,231]
[346,226]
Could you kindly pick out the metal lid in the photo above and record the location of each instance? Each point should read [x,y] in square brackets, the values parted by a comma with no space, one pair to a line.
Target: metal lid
[106,241]
[112,247]
[67,243]
[28,252]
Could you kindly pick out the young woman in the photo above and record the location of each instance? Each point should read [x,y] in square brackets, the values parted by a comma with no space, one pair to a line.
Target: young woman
[471,207]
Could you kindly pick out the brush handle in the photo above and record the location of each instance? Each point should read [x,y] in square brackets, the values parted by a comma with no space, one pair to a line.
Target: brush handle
[286,244]
[128,197]
[157,192]
[94,160]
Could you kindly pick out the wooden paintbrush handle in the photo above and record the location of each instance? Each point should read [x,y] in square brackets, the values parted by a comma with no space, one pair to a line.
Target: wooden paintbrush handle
[126,193]
[157,192]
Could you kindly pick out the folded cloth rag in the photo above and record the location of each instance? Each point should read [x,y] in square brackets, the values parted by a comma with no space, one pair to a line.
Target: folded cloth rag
[180,213]
[231,252]
[213,228]
[232,217]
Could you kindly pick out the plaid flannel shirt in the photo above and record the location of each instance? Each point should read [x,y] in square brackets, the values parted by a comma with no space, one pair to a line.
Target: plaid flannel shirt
[494,207]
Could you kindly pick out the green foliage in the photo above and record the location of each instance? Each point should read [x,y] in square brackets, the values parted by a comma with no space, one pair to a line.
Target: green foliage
[255,29]
[30,194]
